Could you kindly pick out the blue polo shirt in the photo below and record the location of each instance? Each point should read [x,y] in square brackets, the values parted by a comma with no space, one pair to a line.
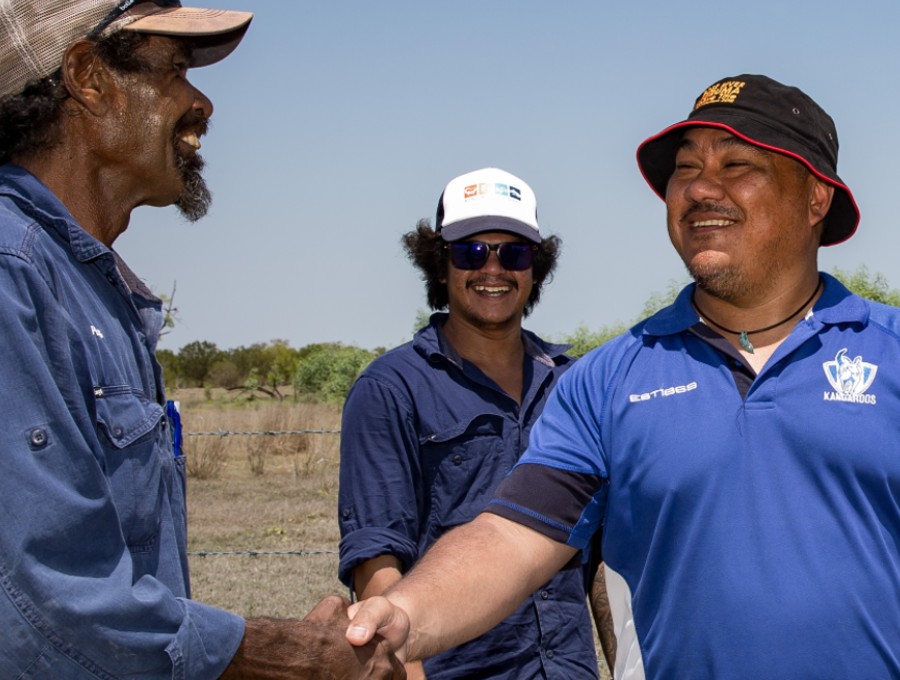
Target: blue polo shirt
[426,438]
[745,535]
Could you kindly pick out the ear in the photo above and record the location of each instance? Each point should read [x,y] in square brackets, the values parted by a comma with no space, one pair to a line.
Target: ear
[86,77]
[820,197]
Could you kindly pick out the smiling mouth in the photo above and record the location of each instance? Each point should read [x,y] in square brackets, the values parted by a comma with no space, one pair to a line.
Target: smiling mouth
[712,223]
[492,291]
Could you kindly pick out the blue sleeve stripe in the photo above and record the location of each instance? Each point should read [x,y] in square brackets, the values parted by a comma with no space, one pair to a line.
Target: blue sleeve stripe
[530,513]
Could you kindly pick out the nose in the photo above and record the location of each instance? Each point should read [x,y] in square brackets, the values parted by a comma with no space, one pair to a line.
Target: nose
[203,107]
[493,262]
[703,185]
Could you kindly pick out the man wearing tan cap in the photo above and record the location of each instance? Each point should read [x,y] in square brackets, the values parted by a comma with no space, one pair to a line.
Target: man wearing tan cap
[97,117]
[739,451]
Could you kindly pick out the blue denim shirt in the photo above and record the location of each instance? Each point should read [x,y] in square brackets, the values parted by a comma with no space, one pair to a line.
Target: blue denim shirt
[93,567]
[425,440]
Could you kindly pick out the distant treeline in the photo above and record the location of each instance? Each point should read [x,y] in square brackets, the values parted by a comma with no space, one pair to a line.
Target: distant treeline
[325,371]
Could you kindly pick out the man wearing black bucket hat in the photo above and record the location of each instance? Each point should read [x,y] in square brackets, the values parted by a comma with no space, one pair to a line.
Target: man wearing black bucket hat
[740,449]
[97,117]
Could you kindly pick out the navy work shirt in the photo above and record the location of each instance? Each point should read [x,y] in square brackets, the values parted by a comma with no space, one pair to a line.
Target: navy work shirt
[426,438]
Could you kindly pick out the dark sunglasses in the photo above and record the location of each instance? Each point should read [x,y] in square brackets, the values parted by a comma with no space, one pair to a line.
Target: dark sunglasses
[123,7]
[513,257]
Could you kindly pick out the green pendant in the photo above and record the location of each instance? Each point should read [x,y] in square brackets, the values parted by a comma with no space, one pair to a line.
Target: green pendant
[745,342]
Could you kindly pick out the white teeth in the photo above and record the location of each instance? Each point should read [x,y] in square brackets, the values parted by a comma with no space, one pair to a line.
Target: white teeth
[712,223]
[191,140]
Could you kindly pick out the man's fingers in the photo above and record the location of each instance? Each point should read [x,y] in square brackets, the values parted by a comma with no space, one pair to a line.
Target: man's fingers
[331,609]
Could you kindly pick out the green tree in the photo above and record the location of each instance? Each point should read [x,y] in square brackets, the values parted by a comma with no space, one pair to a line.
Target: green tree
[872,287]
[423,316]
[583,340]
[196,359]
[657,301]
[170,366]
[327,371]
[282,365]
[223,373]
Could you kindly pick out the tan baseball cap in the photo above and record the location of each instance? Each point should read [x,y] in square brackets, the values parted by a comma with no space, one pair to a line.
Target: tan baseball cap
[34,34]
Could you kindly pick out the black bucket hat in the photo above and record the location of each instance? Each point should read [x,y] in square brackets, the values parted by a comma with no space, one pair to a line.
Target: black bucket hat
[772,116]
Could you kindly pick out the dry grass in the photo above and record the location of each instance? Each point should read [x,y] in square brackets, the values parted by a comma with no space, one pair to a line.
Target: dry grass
[271,493]
[288,503]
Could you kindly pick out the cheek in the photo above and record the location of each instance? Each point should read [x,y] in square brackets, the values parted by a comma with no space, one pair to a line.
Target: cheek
[672,229]
[526,283]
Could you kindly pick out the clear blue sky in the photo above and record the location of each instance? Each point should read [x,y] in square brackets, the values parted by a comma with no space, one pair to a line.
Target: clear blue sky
[337,124]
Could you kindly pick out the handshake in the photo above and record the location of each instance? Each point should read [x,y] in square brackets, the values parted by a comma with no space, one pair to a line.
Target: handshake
[326,644]
[371,639]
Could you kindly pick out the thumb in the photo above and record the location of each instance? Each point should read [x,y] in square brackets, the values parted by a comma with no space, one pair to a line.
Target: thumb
[363,623]
[377,616]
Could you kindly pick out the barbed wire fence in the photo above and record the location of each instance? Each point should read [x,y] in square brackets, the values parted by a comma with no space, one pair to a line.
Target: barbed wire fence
[261,433]
[269,433]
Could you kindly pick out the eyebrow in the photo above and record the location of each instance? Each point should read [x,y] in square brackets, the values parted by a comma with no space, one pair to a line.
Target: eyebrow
[723,142]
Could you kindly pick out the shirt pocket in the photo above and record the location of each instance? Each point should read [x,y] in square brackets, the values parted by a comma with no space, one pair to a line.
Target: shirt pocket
[463,464]
[130,429]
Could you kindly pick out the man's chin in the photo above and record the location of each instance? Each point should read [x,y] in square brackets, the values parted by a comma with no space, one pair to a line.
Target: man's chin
[192,209]
[196,197]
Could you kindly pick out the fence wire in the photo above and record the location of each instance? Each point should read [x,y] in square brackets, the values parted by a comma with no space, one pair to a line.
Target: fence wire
[267,433]
[260,553]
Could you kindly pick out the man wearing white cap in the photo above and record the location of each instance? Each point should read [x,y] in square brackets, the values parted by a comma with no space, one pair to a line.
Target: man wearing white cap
[431,427]
[97,117]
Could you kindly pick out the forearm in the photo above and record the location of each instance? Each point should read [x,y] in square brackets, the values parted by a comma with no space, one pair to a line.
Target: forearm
[374,577]
[603,617]
[472,579]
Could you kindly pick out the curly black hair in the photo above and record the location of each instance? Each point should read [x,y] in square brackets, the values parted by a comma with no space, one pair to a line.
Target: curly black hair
[425,249]
[29,120]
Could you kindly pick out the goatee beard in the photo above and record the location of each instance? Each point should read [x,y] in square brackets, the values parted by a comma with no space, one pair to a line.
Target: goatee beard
[196,197]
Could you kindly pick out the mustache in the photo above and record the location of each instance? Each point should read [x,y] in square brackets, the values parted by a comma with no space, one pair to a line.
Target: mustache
[194,122]
[492,280]
[710,207]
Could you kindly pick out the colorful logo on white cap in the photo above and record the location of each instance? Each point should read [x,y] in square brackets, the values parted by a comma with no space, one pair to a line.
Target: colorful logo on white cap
[474,191]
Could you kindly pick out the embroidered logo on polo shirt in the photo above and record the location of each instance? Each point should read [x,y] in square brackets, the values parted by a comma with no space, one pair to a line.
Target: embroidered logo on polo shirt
[850,378]
[662,392]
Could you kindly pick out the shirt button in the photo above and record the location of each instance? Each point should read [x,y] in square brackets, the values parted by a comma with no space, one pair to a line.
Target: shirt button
[345,513]
[117,432]
[38,437]
[549,653]
[545,595]
[457,459]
